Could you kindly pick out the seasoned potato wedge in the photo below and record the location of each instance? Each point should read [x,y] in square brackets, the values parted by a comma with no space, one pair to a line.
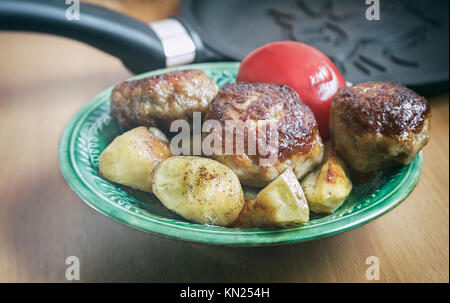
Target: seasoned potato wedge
[280,203]
[132,156]
[328,186]
[199,189]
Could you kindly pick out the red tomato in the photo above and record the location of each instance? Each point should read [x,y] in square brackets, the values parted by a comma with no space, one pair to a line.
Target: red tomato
[302,67]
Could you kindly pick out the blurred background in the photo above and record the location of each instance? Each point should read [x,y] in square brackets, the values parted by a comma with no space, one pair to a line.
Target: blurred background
[45,79]
[143,10]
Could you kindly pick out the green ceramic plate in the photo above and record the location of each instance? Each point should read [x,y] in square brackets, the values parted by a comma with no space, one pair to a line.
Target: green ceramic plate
[92,129]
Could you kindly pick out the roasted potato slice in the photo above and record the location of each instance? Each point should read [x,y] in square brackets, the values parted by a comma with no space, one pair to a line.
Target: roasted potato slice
[280,203]
[199,189]
[132,156]
[328,186]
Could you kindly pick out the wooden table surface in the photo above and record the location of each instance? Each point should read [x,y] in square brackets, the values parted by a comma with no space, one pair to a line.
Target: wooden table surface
[46,79]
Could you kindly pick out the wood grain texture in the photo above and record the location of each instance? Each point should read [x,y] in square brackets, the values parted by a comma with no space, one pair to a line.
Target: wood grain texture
[46,79]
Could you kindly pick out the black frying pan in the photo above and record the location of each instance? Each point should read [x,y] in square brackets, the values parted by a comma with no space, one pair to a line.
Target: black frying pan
[409,44]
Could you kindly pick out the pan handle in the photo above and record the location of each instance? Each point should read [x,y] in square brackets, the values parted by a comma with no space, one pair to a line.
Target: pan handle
[137,44]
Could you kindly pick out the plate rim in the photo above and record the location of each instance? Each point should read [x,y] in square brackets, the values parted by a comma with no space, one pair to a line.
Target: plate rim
[266,237]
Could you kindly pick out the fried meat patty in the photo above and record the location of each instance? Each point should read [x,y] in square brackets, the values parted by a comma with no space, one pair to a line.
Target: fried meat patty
[160,99]
[299,145]
[375,125]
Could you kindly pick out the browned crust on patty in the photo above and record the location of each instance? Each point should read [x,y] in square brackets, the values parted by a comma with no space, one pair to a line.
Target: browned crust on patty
[297,126]
[387,108]
[160,99]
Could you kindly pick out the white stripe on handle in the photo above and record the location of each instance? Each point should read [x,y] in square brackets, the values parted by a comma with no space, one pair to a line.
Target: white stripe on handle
[178,45]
